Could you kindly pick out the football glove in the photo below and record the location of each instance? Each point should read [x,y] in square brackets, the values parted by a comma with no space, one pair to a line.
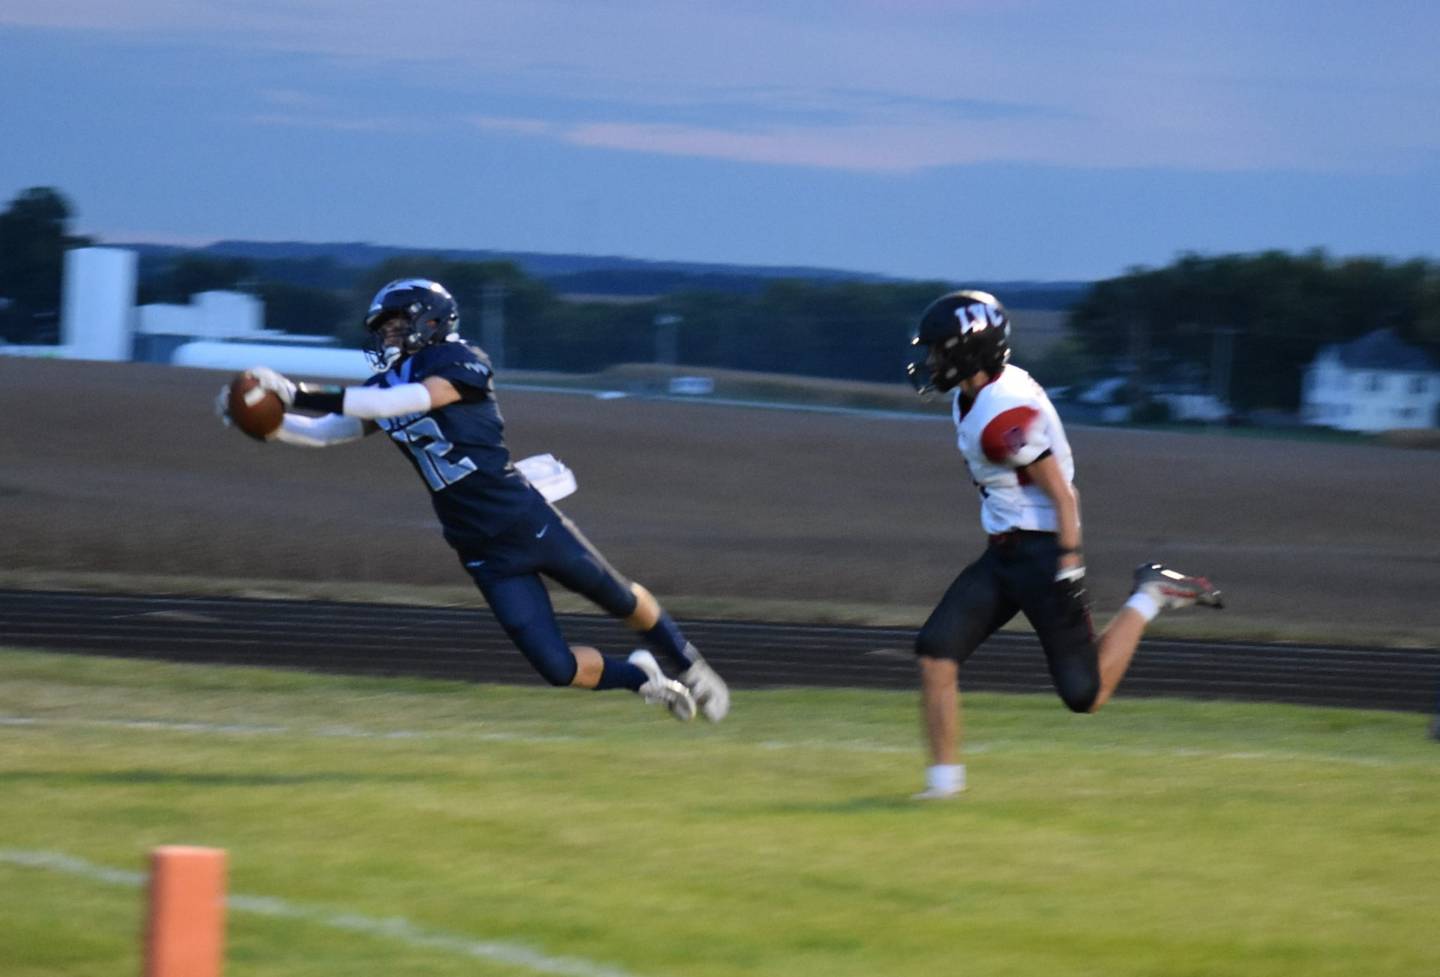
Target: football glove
[275,383]
[222,406]
[1072,600]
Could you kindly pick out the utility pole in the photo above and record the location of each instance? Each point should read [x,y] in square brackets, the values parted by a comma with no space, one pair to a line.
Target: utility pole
[492,323]
[1139,354]
[667,339]
[1222,359]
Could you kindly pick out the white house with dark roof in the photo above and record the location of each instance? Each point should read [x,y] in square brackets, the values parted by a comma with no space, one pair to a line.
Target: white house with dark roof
[1374,383]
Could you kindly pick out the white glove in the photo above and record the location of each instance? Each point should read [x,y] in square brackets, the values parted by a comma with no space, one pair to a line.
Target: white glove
[275,383]
[222,406]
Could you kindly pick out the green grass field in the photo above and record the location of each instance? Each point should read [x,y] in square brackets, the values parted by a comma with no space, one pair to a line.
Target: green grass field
[404,827]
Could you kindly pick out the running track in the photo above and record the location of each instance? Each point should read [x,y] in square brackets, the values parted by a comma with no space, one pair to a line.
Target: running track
[467,644]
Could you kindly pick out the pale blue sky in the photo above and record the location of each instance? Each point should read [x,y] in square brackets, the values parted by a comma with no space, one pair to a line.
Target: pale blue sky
[979,139]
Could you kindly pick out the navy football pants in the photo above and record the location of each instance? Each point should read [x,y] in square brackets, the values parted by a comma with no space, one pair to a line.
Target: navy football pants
[508,568]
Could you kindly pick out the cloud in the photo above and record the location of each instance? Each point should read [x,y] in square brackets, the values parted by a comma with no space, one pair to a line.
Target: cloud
[293,98]
[524,127]
[830,149]
[870,85]
[172,17]
[330,123]
[913,144]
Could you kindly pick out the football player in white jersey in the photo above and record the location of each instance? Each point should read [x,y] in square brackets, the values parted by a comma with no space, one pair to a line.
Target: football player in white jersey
[1018,456]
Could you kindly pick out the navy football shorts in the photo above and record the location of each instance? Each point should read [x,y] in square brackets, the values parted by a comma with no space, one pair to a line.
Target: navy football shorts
[1016,574]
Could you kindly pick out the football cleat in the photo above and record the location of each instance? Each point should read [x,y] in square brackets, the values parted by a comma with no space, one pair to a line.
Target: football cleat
[1172,590]
[664,691]
[711,693]
[937,794]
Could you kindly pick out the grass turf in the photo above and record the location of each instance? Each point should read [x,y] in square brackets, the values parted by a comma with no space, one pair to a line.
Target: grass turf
[438,828]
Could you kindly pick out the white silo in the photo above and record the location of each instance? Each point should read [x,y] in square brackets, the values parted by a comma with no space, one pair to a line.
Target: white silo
[98,305]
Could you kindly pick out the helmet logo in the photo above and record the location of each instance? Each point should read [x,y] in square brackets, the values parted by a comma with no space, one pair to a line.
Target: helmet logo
[978,317]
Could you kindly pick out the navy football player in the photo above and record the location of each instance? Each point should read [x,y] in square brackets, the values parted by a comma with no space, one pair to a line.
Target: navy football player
[1019,458]
[434,396]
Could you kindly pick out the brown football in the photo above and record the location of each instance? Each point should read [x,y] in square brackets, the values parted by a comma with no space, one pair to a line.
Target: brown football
[253,409]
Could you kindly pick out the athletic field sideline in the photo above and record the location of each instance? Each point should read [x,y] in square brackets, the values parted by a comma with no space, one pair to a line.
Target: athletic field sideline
[466,643]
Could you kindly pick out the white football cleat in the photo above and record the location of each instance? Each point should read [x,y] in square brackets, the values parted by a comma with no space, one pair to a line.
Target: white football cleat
[937,794]
[711,693]
[659,689]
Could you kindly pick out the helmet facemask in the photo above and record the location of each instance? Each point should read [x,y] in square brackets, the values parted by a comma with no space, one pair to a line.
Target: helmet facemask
[382,353]
[926,370]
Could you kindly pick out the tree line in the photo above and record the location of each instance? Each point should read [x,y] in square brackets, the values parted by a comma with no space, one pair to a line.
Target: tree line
[1267,314]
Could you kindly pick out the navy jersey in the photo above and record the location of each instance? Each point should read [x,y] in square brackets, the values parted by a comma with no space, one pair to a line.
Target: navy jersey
[459,450]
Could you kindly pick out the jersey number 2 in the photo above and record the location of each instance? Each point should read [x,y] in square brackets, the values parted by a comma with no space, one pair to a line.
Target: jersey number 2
[429,448]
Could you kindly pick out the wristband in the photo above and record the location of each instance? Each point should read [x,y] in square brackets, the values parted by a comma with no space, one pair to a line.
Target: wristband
[1069,550]
[325,398]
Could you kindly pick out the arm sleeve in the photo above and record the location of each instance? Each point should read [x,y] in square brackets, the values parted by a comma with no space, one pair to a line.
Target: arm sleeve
[319,432]
[1015,437]
[373,402]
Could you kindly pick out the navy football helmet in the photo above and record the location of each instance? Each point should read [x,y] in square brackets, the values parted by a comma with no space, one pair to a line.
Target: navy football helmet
[959,335]
[425,306]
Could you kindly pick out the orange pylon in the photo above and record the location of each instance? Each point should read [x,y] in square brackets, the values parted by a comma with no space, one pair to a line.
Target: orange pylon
[185,931]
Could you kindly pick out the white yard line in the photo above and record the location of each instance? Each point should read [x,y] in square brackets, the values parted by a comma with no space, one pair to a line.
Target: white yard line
[392,928]
[836,745]
[243,729]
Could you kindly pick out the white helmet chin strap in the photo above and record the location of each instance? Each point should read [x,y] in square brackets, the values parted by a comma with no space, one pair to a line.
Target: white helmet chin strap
[411,344]
[388,357]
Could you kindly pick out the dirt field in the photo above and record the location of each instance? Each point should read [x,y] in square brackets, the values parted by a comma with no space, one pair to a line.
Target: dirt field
[111,471]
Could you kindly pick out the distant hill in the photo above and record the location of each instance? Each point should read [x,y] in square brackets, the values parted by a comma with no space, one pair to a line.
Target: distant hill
[539,265]
[604,275]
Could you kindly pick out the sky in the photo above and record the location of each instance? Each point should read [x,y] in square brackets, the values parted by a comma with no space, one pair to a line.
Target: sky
[962,140]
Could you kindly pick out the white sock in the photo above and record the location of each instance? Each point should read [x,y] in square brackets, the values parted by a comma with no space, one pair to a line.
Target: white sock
[947,777]
[1143,604]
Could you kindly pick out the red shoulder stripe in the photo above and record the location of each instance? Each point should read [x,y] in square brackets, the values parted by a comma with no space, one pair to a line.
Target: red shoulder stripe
[1007,433]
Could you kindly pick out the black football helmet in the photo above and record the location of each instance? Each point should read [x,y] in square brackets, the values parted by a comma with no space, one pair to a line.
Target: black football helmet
[430,311]
[959,335]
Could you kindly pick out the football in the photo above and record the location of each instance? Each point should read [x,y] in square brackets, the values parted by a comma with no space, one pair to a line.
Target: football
[253,409]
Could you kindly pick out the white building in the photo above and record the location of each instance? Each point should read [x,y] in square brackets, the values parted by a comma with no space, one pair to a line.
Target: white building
[216,330]
[97,305]
[1374,383]
[210,315]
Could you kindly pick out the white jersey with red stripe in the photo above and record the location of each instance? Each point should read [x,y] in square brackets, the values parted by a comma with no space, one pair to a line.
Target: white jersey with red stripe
[1010,424]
